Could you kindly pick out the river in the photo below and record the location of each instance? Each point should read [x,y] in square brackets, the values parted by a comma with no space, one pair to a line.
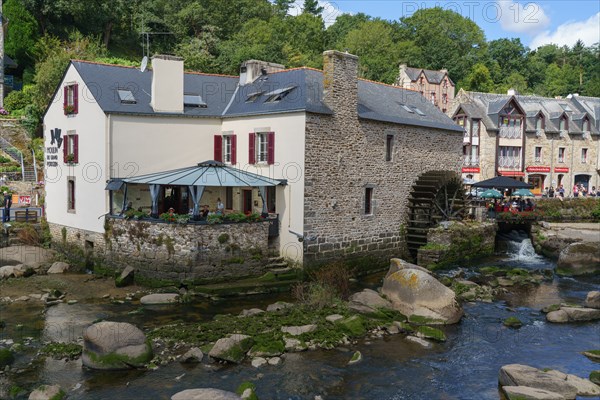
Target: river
[464,367]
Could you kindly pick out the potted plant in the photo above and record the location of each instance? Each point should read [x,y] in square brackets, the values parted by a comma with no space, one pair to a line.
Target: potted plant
[70,158]
[69,109]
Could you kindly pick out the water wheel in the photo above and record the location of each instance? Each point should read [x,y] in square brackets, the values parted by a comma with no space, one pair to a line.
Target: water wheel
[436,196]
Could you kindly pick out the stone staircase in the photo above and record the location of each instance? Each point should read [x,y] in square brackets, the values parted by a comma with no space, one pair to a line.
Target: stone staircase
[28,170]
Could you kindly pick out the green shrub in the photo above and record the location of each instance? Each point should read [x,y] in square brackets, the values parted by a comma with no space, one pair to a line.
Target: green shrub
[223,238]
[18,99]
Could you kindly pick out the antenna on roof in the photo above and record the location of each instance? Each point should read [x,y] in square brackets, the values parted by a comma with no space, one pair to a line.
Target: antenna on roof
[144,64]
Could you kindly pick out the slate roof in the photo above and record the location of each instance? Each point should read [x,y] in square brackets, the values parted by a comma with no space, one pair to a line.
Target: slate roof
[225,98]
[487,106]
[431,75]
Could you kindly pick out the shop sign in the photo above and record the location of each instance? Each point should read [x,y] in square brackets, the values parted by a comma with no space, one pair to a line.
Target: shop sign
[561,169]
[472,170]
[52,151]
[537,169]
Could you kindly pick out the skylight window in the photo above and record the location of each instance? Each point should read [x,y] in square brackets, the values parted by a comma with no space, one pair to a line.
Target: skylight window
[419,111]
[279,94]
[406,108]
[193,100]
[565,107]
[125,96]
[252,97]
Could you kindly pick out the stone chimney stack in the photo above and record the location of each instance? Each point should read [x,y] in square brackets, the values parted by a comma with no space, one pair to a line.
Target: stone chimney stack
[512,92]
[340,82]
[167,84]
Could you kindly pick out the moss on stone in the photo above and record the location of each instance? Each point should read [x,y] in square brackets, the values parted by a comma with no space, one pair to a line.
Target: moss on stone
[247,385]
[353,326]
[119,361]
[512,322]
[595,377]
[421,320]
[266,346]
[6,357]
[431,333]
[58,396]
[62,350]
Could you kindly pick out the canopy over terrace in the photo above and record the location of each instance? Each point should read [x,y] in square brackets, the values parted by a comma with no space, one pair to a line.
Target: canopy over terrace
[197,178]
[503,182]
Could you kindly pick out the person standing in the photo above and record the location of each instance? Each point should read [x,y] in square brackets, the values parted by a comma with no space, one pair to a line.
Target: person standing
[220,206]
[7,204]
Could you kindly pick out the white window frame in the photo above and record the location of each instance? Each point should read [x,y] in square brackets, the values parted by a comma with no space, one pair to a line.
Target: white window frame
[584,155]
[564,151]
[262,147]
[538,154]
[227,149]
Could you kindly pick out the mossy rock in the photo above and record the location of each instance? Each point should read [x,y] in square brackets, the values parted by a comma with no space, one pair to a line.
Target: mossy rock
[117,361]
[264,348]
[431,333]
[593,355]
[404,327]
[495,271]
[356,357]
[353,326]
[512,322]
[517,272]
[550,308]
[421,320]
[446,281]
[595,377]
[6,357]
[247,385]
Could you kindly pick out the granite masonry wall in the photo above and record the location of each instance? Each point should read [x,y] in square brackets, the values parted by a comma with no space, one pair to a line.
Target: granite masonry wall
[344,156]
[176,252]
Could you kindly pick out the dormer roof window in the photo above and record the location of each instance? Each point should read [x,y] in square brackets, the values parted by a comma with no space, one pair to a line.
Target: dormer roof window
[193,100]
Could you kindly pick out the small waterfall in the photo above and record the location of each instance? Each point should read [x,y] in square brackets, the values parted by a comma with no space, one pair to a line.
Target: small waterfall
[518,247]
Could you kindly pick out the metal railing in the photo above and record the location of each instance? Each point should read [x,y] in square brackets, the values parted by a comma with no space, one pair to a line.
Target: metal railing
[471,161]
[509,162]
[510,132]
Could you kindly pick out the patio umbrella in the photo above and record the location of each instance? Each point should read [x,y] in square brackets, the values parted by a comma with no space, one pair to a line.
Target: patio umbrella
[523,193]
[503,182]
[491,194]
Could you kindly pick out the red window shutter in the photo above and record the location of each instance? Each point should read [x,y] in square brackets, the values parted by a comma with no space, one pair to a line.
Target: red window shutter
[218,148]
[66,99]
[75,149]
[252,148]
[65,148]
[233,149]
[271,148]
[75,98]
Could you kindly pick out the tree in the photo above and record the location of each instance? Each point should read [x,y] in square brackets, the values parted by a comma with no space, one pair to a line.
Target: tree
[479,79]
[282,6]
[21,35]
[514,81]
[372,42]
[446,39]
[312,7]
[508,53]
[337,32]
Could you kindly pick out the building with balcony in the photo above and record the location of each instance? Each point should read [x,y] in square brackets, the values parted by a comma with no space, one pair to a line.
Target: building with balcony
[435,86]
[543,141]
[338,156]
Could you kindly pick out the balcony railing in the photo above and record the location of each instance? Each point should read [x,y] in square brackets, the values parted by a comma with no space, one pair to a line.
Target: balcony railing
[509,162]
[510,132]
[471,161]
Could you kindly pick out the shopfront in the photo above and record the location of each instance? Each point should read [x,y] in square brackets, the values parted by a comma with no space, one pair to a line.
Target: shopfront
[536,176]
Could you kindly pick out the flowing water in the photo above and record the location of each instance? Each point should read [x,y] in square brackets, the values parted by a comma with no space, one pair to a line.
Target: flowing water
[464,367]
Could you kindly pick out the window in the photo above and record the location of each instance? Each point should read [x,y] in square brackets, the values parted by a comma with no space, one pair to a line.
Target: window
[229,198]
[368,201]
[476,128]
[539,123]
[389,146]
[252,97]
[193,100]
[71,149]
[586,124]
[432,97]
[271,199]
[538,154]
[278,95]
[444,98]
[126,96]
[561,154]
[562,125]
[71,99]
[418,111]
[584,153]
[71,194]
[261,147]
[406,108]
[225,148]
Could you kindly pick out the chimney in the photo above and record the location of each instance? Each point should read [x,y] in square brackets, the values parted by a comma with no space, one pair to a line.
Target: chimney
[512,92]
[340,82]
[444,70]
[167,84]
[252,69]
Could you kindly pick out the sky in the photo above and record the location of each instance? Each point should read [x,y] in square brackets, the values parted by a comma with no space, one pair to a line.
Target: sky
[536,23]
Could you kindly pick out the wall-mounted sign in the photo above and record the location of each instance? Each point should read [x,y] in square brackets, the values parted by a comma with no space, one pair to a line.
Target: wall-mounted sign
[52,151]
[24,199]
[561,169]
[537,169]
[472,170]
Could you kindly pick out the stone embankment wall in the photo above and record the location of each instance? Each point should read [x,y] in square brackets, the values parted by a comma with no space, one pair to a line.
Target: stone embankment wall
[457,241]
[171,252]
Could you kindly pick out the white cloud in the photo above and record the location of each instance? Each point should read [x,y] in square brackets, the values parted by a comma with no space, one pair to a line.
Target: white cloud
[569,32]
[522,18]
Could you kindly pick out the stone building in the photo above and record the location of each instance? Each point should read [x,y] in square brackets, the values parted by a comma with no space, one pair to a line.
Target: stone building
[340,153]
[543,141]
[435,86]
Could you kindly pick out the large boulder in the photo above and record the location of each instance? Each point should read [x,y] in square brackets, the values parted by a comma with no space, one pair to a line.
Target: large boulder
[160,298]
[298,330]
[232,348]
[114,346]
[367,301]
[12,271]
[59,267]
[592,299]
[529,393]
[568,386]
[573,314]
[126,278]
[47,392]
[414,291]
[581,258]
[205,394]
